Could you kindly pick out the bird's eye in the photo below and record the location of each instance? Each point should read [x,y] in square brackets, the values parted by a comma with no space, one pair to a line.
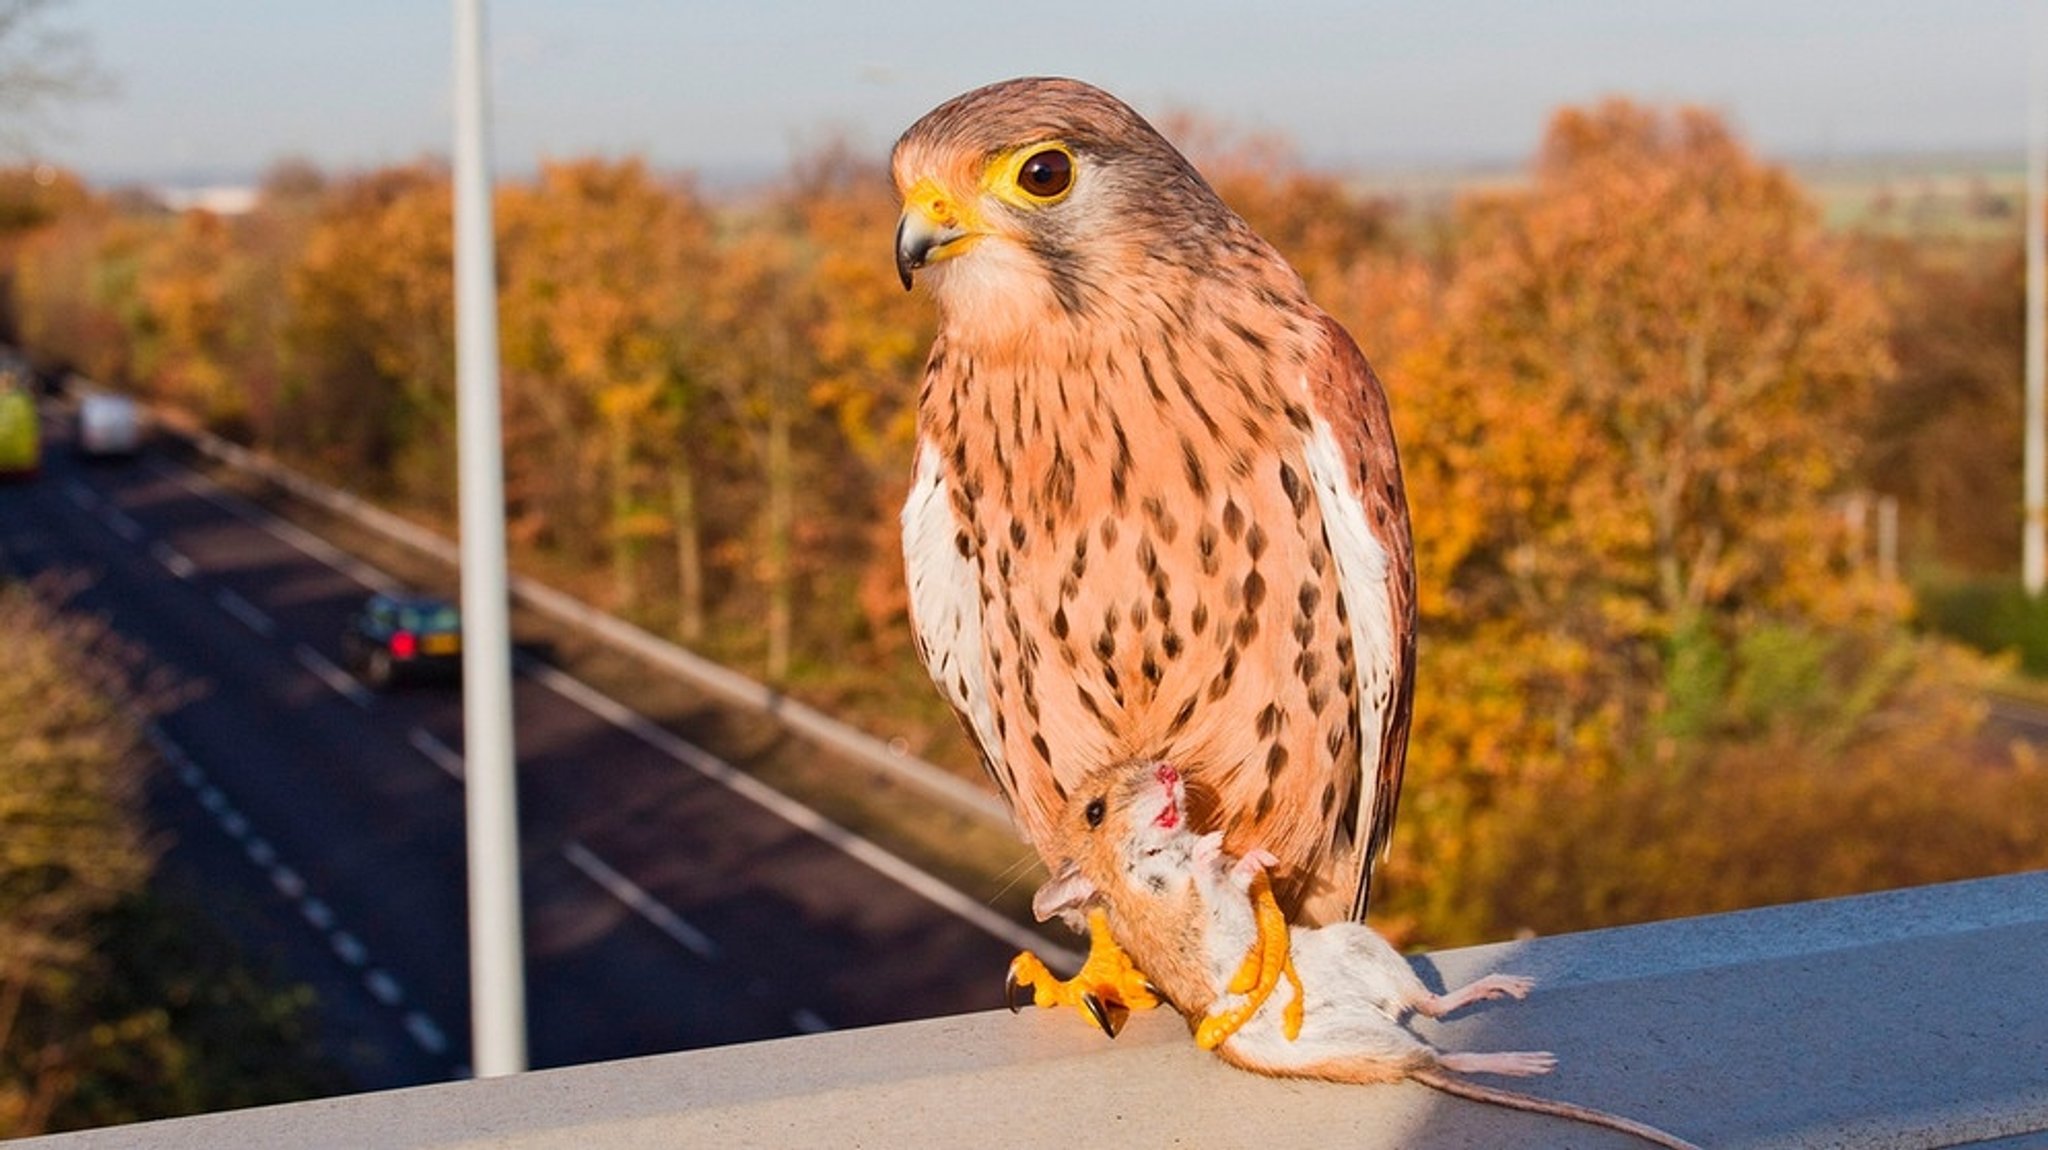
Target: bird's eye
[1096,809]
[1046,174]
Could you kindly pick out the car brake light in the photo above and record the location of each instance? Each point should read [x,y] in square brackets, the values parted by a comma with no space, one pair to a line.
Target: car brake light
[404,645]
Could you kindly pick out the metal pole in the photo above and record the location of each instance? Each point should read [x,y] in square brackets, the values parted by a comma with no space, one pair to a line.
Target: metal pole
[496,962]
[2034,544]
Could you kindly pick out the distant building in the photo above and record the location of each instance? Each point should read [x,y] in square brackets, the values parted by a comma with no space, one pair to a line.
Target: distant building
[220,199]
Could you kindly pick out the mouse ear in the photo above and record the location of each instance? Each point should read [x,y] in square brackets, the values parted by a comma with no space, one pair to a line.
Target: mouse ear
[1067,890]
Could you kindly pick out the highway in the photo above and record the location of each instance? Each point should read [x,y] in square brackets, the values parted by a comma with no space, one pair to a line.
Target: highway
[670,902]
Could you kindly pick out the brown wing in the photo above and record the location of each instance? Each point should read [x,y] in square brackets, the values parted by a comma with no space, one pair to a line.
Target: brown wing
[1350,403]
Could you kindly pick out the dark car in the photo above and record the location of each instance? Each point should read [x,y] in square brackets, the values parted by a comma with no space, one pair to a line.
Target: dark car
[402,636]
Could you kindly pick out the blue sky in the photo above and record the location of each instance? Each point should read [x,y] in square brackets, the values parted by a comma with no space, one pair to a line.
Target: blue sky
[218,89]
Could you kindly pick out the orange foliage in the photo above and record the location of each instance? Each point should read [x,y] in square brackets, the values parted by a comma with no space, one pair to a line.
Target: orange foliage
[1903,796]
[1636,336]
[74,281]
[372,334]
[186,321]
[1625,427]
[604,268]
[1325,230]
[1629,393]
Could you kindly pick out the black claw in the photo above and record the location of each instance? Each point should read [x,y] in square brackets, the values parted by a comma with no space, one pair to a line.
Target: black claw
[1108,1014]
[1011,986]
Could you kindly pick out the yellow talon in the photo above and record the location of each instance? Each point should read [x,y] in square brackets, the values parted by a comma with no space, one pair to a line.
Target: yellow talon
[1263,967]
[1105,990]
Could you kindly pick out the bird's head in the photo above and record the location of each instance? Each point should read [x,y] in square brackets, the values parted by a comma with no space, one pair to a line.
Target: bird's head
[1039,197]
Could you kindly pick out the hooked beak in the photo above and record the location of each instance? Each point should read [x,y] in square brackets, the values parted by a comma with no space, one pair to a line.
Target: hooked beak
[920,241]
[929,230]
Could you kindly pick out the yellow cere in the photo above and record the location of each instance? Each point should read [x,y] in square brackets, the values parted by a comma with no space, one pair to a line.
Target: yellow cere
[930,199]
[1000,180]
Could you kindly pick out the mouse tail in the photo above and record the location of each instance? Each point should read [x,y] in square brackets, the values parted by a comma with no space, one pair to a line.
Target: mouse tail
[1514,1100]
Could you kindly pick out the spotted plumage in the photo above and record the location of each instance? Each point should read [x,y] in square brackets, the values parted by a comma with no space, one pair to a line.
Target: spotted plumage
[1157,512]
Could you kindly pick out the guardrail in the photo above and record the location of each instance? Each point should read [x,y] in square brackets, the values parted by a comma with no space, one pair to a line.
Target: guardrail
[855,745]
[1901,1020]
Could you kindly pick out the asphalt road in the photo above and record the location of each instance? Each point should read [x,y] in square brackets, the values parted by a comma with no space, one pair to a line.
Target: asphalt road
[667,905]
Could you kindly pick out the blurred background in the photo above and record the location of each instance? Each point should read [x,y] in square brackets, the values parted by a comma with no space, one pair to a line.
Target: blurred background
[1703,329]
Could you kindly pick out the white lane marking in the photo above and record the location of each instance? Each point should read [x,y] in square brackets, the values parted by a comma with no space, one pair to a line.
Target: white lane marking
[333,676]
[383,987]
[318,913]
[247,613]
[188,771]
[922,882]
[425,1033]
[80,494]
[123,526]
[348,948]
[646,905]
[289,533]
[172,560]
[287,882]
[932,888]
[329,554]
[436,751]
[807,1021]
[162,743]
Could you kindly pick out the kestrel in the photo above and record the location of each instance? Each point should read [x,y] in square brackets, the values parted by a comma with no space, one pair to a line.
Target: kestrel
[1157,511]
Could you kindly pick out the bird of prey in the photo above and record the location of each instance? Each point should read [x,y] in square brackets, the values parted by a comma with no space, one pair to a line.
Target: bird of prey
[1157,511]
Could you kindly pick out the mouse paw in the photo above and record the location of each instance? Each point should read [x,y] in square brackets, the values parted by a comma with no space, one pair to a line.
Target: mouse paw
[1492,986]
[1254,861]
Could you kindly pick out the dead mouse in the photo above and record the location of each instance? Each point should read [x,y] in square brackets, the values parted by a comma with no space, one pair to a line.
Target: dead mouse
[1324,1002]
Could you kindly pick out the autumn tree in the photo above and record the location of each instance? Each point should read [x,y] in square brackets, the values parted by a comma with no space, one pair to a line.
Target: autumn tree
[256,289]
[181,324]
[1631,392]
[869,344]
[808,367]
[371,335]
[1638,407]
[604,267]
[115,1004]
[1625,438]
[762,314]
[1942,434]
[1324,228]
[1684,358]
[75,285]
[67,854]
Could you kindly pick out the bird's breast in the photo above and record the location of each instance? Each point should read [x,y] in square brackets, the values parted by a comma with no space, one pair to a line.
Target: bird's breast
[1155,580]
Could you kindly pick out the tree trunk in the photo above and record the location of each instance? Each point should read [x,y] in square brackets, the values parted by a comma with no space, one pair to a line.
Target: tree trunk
[689,555]
[781,465]
[12,990]
[625,542]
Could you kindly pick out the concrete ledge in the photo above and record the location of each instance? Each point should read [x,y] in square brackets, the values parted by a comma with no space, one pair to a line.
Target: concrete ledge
[1910,1019]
